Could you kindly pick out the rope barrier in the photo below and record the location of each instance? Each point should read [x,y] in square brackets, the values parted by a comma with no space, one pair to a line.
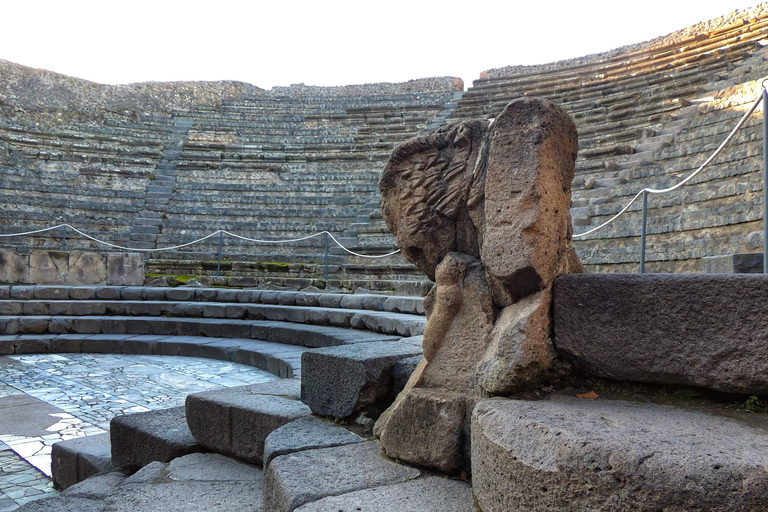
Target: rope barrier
[687,179]
[174,247]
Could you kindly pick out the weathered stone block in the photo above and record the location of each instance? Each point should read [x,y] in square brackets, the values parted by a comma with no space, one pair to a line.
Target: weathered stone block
[125,269]
[14,267]
[695,329]
[337,381]
[75,460]
[306,434]
[303,477]
[138,439]
[87,268]
[48,267]
[571,454]
[237,421]
[431,493]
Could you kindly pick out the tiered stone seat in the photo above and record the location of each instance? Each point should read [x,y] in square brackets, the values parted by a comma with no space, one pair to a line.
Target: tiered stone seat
[93,177]
[290,162]
[648,115]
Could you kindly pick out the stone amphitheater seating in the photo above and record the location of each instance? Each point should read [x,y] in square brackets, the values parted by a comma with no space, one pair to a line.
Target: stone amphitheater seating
[268,165]
[648,115]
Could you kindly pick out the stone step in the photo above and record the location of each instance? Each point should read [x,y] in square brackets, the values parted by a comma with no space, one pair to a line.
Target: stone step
[340,381]
[566,453]
[295,479]
[687,329]
[74,460]
[311,336]
[391,303]
[141,438]
[374,321]
[236,421]
[308,433]
[423,494]
[277,358]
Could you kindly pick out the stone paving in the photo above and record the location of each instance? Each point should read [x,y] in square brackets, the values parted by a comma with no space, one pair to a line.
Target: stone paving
[46,398]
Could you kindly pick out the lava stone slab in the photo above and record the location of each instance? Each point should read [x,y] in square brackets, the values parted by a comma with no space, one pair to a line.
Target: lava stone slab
[298,478]
[306,434]
[571,454]
[694,329]
[138,439]
[74,460]
[237,421]
[337,381]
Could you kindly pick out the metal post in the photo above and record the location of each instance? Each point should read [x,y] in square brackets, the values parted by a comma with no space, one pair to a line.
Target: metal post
[325,258]
[765,181]
[642,234]
[64,238]
[218,265]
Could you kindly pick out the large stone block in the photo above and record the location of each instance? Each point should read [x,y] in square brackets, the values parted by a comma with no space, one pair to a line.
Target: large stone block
[338,381]
[306,434]
[14,267]
[695,329]
[75,460]
[48,267]
[237,421]
[303,477]
[87,268]
[141,438]
[571,454]
[425,494]
[125,268]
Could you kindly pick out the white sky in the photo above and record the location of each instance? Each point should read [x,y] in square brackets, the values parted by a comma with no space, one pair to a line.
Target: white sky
[326,42]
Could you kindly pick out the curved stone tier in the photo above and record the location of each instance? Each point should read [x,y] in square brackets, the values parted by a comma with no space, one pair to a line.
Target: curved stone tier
[647,116]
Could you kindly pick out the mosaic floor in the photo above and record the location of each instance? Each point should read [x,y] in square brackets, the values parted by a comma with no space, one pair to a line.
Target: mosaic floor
[45,398]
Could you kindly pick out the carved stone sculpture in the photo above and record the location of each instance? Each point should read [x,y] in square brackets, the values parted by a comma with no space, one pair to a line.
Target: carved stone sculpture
[484,210]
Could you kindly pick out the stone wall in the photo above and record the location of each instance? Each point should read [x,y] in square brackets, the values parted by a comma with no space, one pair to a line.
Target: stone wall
[71,268]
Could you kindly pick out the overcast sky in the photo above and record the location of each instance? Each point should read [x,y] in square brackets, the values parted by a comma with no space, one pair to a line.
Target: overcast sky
[326,42]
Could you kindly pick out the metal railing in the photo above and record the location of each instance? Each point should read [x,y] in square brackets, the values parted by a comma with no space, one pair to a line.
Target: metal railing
[763,97]
[328,236]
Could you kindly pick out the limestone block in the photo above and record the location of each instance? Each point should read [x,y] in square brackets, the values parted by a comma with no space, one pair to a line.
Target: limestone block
[125,268]
[14,267]
[48,267]
[87,268]
[338,381]
[694,329]
[571,454]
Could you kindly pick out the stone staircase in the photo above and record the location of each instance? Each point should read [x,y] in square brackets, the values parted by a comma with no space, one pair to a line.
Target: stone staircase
[149,221]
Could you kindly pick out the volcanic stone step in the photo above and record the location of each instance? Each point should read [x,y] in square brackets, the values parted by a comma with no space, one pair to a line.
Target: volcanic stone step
[571,454]
[141,438]
[693,329]
[277,358]
[236,421]
[277,332]
[394,304]
[377,321]
[74,460]
[338,381]
[423,494]
[307,433]
[295,479]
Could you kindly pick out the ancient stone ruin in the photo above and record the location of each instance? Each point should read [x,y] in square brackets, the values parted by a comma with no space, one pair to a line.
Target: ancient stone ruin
[483,208]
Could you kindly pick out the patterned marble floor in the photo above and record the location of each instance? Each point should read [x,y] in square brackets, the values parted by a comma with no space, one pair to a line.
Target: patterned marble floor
[45,398]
